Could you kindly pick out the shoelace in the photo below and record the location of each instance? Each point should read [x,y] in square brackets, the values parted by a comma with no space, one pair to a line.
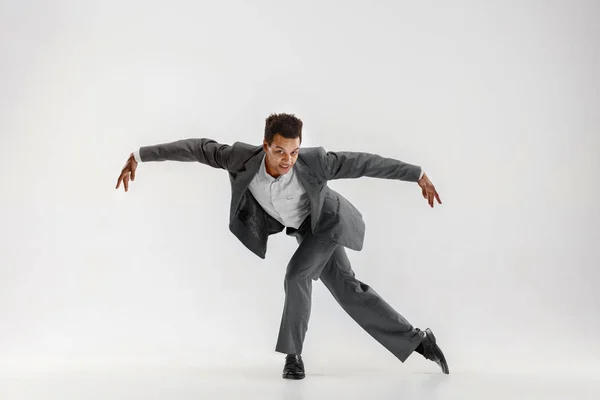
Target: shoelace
[292,360]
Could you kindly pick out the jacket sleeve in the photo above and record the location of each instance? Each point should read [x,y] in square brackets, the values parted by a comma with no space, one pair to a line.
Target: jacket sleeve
[202,150]
[346,164]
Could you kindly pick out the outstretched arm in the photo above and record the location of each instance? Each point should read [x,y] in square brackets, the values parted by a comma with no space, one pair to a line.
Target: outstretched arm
[346,164]
[205,151]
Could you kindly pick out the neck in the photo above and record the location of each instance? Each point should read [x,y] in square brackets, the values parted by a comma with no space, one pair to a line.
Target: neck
[271,171]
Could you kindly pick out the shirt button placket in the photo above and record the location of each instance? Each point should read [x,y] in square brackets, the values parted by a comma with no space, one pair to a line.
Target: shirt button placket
[273,189]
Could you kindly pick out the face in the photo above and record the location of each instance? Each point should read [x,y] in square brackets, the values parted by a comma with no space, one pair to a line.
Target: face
[281,155]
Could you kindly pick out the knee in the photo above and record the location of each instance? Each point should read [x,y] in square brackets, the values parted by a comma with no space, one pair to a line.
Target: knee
[362,287]
[297,277]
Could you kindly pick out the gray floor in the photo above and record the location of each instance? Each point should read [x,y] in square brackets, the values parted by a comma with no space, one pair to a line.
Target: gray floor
[324,383]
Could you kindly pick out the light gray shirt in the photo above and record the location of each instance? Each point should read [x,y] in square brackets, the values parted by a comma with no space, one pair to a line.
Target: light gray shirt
[284,197]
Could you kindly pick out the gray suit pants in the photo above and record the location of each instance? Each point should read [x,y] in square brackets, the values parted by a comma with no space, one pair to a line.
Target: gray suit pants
[318,257]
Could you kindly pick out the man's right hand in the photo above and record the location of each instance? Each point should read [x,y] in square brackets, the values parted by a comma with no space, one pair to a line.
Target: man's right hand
[127,173]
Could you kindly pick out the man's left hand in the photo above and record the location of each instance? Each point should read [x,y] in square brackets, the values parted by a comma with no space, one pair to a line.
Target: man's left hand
[428,190]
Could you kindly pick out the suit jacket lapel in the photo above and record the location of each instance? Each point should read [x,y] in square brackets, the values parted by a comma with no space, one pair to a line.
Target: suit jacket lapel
[243,179]
[309,181]
[312,187]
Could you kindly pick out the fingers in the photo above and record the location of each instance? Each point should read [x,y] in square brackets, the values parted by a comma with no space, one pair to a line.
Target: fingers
[429,193]
[124,177]
[119,180]
[126,181]
[127,174]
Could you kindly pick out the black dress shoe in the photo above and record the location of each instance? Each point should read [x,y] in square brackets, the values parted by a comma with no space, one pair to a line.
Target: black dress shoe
[432,351]
[294,367]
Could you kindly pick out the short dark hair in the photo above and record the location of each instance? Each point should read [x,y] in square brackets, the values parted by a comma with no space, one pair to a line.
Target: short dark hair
[287,125]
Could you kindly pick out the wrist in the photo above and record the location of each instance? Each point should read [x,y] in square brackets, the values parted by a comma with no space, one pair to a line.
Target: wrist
[136,156]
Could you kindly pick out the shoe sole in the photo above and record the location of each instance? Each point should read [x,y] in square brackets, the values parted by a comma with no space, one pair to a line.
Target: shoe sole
[293,376]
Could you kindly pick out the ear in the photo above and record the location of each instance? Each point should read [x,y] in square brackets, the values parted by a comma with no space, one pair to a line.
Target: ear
[265,146]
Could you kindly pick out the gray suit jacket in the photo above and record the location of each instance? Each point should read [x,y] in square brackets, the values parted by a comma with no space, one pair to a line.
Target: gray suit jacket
[331,213]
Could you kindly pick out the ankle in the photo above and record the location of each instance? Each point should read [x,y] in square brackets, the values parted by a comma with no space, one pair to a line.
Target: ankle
[420,349]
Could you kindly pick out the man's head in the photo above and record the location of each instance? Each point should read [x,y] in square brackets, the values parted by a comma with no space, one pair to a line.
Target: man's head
[283,136]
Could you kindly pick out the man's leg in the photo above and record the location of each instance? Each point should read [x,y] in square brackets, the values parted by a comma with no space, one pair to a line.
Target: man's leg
[305,266]
[319,257]
[368,309]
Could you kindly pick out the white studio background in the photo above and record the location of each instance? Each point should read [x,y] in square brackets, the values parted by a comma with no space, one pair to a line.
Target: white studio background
[497,100]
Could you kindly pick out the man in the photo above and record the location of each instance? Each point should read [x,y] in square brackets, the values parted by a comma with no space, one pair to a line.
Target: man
[280,186]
